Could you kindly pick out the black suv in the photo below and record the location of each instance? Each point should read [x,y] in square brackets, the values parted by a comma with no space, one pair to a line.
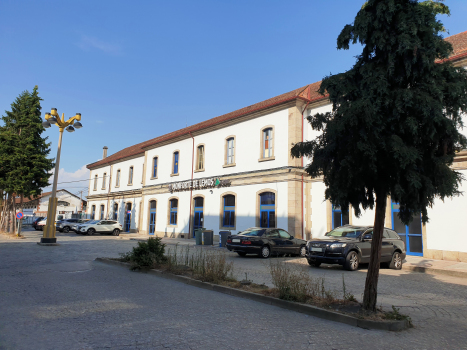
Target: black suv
[351,245]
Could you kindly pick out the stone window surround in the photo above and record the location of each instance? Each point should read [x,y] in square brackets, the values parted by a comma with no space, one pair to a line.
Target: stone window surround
[197,158]
[173,163]
[258,205]
[226,149]
[103,181]
[117,178]
[152,168]
[221,212]
[95,182]
[132,175]
[152,199]
[192,214]
[168,211]
[261,138]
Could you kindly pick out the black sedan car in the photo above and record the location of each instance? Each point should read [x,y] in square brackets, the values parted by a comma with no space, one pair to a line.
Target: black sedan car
[266,241]
[351,245]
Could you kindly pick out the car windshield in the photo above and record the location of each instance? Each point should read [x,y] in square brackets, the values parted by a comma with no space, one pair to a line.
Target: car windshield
[343,231]
[252,232]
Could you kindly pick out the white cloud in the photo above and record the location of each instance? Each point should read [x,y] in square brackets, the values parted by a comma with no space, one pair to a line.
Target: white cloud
[71,182]
[88,43]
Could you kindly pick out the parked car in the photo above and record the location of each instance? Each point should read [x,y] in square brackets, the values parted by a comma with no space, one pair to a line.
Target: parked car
[65,225]
[74,227]
[36,221]
[351,245]
[264,242]
[100,226]
[40,224]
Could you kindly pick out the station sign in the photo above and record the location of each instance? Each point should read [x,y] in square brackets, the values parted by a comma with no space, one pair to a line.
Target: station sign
[198,184]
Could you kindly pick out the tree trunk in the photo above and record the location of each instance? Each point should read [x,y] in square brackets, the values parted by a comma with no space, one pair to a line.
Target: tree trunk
[371,284]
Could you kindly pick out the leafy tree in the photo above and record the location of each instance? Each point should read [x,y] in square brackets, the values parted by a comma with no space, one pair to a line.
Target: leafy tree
[24,166]
[393,129]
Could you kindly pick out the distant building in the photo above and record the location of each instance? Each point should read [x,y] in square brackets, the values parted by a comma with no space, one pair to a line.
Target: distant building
[68,204]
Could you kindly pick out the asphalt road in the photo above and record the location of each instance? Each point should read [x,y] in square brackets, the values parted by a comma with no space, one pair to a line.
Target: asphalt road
[60,298]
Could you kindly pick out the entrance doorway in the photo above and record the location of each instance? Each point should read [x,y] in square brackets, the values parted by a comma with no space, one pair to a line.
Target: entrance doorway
[198,214]
[411,234]
[152,217]
[127,224]
[339,218]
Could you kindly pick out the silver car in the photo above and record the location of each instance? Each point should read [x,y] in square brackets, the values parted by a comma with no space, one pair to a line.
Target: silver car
[100,226]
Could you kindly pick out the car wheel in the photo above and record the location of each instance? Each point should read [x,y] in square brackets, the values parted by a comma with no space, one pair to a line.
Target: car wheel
[116,232]
[302,251]
[265,252]
[396,261]
[313,263]
[351,261]
[91,231]
[66,229]
[241,253]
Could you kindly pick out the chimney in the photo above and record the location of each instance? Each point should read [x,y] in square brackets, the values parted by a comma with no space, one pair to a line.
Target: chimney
[105,152]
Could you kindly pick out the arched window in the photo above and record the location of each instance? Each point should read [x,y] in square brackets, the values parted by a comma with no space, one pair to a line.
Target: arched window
[198,213]
[115,211]
[103,181]
[267,143]
[93,212]
[176,157]
[267,209]
[95,182]
[130,176]
[127,222]
[117,180]
[200,158]
[339,218]
[173,207]
[102,212]
[154,167]
[228,218]
[152,217]
[230,151]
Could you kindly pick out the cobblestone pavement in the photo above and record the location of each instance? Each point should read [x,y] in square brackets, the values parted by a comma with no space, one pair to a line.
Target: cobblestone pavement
[60,298]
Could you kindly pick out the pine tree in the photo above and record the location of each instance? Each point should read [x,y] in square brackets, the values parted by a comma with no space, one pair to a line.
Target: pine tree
[395,120]
[24,166]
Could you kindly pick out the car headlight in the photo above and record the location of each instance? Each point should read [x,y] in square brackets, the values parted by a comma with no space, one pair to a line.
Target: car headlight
[338,245]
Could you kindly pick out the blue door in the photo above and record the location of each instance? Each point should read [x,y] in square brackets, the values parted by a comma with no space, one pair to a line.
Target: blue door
[198,214]
[267,210]
[152,217]
[339,218]
[411,234]
[127,224]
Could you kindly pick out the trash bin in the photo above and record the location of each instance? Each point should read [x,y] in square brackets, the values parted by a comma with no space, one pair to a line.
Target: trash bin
[199,235]
[223,238]
[208,237]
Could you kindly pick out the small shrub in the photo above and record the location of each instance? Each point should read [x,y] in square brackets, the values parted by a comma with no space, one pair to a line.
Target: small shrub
[149,254]
[396,315]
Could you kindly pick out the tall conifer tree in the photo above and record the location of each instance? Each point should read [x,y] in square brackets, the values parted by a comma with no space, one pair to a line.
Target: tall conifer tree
[395,120]
[24,166]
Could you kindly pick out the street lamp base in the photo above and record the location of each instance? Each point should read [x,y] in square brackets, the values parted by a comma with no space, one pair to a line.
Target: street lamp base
[49,240]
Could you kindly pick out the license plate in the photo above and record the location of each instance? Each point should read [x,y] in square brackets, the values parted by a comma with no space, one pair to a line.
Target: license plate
[316,249]
[235,240]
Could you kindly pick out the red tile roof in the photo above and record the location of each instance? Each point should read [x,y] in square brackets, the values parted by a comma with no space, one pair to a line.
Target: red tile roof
[308,93]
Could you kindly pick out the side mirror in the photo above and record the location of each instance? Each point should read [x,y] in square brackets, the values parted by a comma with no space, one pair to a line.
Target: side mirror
[367,237]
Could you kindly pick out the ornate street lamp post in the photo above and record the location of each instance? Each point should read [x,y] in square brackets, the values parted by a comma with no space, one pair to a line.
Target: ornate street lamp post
[70,125]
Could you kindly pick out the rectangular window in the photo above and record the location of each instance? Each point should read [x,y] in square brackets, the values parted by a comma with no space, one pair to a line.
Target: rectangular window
[200,163]
[154,167]
[230,151]
[117,180]
[267,143]
[95,182]
[130,177]
[103,181]
[175,165]
[173,211]
[102,212]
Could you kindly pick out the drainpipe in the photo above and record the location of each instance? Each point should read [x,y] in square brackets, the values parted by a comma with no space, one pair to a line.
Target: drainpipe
[191,188]
[303,230]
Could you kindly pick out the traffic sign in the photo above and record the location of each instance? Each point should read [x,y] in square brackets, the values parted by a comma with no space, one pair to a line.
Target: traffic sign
[19,215]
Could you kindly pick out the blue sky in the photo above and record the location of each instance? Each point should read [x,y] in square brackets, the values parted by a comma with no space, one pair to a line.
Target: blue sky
[139,69]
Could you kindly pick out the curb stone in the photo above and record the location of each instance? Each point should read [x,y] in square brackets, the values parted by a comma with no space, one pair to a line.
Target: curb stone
[292,306]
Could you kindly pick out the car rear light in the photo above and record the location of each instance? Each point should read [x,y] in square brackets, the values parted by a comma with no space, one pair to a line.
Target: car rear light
[246,242]
[229,241]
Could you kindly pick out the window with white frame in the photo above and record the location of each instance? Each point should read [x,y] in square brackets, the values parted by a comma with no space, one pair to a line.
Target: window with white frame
[95,182]
[117,180]
[230,151]
[200,158]
[130,176]
[103,181]
[267,143]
